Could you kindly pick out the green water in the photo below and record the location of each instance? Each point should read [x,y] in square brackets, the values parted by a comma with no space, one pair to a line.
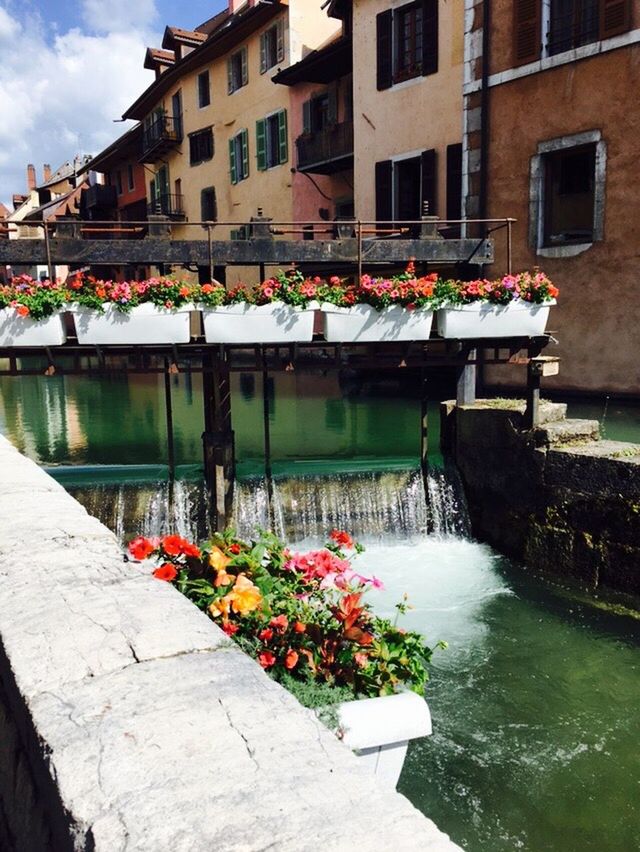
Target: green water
[535,703]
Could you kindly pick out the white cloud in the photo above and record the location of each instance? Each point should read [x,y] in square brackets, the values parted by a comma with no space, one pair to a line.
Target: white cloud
[60,93]
[118,15]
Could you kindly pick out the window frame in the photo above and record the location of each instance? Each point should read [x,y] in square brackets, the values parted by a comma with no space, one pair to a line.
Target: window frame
[201,76]
[413,69]
[237,59]
[267,157]
[194,143]
[212,191]
[239,145]
[277,30]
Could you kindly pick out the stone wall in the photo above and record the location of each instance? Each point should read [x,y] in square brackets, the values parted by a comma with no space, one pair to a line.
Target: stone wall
[129,721]
[556,497]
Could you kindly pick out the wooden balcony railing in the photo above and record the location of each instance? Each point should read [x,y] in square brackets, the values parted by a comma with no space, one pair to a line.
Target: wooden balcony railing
[326,151]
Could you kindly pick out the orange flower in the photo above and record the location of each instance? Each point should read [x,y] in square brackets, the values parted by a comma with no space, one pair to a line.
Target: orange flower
[166,572]
[207,288]
[266,659]
[223,579]
[245,597]
[291,660]
[220,607]
[184,291]
[141,547]
[23,310]
[218,560]
[299,627]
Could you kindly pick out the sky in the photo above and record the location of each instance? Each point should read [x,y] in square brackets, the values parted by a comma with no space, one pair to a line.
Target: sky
[68,68]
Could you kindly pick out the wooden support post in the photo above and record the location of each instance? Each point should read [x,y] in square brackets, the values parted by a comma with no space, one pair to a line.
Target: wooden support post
[538,367]
[268,472]
[466,386]
[218,439]
[168,407]
[424,424]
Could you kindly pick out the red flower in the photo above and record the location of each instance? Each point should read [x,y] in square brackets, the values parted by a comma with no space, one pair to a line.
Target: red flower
[235,549]
[266,659]
[281,622]
[230,628]
[341,538]
[175,545]
[265,635]
[291,660]
[166,572]
[190,549]
[299,627]
[141,547]
[23,310]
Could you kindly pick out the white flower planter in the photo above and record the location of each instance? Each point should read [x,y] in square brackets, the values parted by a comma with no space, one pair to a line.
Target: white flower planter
[144,324]
[483,319]
[378,730]
[23,331]
[363,323]
[272,323]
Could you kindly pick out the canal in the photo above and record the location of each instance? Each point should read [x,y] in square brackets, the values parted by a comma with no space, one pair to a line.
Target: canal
[535,701]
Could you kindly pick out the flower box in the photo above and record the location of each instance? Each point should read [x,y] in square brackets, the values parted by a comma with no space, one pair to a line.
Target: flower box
[143,324]
[365,323]
[378,730]
[16,330]
[487,319]
[274,322]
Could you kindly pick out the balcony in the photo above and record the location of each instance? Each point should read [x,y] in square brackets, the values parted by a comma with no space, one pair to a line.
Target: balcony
[100,196]
[326,151]
[159,137]
[167,204]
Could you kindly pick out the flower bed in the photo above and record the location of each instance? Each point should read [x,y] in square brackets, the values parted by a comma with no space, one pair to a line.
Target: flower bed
[31,313]
[305,619]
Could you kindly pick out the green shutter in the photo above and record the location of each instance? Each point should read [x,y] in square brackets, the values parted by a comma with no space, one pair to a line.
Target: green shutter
[244,137]
[280,39]
[306,117]
[283,153]
[245,69]
[263,53]
[232,161]
[261,143]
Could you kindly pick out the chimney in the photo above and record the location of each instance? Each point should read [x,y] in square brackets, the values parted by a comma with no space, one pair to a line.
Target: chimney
[31,177]
[46,173]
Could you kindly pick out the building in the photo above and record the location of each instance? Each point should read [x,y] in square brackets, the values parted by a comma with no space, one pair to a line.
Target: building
[551,123]
[217,136]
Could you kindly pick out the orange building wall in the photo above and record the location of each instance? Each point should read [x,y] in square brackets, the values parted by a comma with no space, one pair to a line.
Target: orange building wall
[597,319]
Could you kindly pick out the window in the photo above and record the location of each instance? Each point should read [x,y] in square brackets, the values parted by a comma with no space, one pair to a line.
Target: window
[404,186]
[239,156]
[271,140]
[320,111]
[569,194]
[200,146]
[237,70]
[272,46]
[119,182]
[208,206]
[571,24]
[204,90]
[407,42]
[131,178]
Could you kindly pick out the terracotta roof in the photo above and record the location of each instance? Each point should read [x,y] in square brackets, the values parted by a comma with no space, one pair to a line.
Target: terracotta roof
[67,170]
[66,205]
[172,34]
[212,24]
[3,211]
[18,200]
[154,56]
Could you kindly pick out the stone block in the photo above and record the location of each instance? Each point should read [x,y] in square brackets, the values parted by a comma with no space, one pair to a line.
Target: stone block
[621,568]
[566,432]
[590,469]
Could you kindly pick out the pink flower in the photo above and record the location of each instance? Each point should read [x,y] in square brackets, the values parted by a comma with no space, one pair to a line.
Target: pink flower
[268,292]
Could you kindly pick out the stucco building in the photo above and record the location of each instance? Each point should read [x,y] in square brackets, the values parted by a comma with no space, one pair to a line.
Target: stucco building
[551,123]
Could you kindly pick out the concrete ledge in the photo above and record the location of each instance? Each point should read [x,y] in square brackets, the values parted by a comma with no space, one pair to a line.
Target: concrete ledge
[128,720]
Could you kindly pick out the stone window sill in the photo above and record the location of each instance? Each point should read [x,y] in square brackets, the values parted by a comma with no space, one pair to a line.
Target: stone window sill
[571,250]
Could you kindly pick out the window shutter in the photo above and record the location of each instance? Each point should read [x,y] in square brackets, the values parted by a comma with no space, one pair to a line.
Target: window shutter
[384,177]
[283,153]
[454,185]
[615,17]
[332,103]
[263,53]
[384,68]
[244,138]
[193,149]
[429,37]
[527,36]
[280,40]
[232,161]
[306,117]
[261,143]
[429,181]
[229,76]
[245,69]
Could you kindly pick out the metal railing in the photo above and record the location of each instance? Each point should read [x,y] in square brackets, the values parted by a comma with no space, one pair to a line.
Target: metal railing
[325,146]
[167,204]
[164,131]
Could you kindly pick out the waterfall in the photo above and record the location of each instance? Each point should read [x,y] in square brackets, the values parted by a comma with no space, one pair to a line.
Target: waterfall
[368,505]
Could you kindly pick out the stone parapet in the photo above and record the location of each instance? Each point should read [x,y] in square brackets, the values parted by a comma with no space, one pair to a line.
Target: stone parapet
[128,720]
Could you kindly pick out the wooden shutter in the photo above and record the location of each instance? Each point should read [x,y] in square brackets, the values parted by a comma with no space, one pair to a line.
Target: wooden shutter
[384,191]
[233,166]
[615,17]
[244,138]
[454,185]
[283,148]
[384,69]
[429,37]
[245,66]
[280,40]
[263,53]
[229,75]
[306,117]
[332,103]
[527,35]
[261,143]
[429,180]
[193,149]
